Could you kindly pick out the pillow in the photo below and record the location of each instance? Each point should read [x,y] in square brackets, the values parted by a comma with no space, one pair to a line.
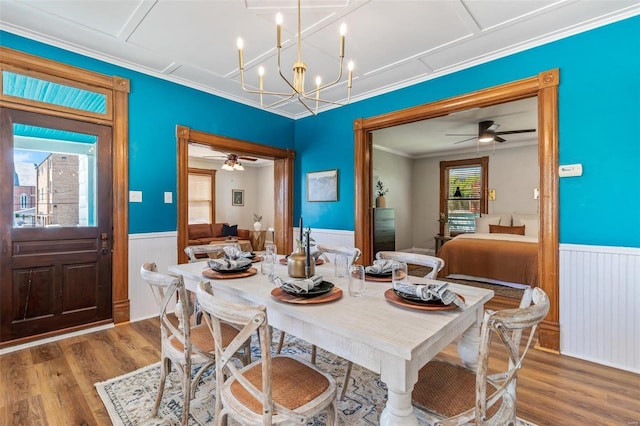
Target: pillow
[519,217]
[531,227]
[483,222]
[229,231]
[497,229]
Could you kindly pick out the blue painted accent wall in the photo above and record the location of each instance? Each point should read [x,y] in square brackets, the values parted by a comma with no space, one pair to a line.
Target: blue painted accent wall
[599,126]
[156,106]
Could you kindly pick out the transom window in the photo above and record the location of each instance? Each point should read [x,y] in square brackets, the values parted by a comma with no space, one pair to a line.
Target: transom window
[463,193]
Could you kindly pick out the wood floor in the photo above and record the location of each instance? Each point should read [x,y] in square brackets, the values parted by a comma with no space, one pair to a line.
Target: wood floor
[53,384]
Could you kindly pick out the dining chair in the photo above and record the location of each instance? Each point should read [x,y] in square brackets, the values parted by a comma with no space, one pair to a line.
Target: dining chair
[451,394]
[199,253]
[185,346]
[435,263]
[353,254]
[273,390]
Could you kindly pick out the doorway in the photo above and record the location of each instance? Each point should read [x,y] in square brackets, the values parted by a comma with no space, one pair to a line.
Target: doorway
[545,87]
[56,263]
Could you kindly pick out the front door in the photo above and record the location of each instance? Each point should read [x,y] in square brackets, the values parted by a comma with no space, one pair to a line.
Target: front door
[55,223]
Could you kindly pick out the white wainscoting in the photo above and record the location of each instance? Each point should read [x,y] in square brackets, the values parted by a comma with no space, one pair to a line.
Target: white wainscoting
[600,304]
[332,237]
[158,247]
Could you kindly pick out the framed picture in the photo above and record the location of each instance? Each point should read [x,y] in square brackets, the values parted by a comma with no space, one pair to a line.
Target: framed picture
[322,186]
[237,197]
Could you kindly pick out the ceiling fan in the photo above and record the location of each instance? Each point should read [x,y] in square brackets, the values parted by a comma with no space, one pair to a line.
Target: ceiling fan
[232,161]
[487,133]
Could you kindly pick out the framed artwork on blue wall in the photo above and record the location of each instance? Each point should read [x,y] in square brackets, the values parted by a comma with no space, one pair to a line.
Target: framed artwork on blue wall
[322,186]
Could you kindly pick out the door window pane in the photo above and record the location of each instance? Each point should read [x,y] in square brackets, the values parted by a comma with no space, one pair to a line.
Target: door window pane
[55,178]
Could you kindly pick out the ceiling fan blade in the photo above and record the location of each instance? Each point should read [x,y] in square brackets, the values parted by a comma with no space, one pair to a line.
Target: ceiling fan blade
[499,139]
[247,158]
[465,140]
[513,132]
[459,134]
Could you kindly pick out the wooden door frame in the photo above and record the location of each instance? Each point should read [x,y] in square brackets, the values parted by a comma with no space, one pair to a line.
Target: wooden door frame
[545,87]
[116,89]
[282,173]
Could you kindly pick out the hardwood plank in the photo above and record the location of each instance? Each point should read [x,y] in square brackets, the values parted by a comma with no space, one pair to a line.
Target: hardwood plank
[54,384]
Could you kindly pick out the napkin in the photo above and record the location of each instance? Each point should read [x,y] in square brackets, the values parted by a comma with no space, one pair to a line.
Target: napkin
[435,291]
[225,264]
[300,285]
[380,266]
[233,253]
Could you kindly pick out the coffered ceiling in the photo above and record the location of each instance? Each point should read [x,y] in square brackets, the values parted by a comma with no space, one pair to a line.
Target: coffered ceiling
[393,43]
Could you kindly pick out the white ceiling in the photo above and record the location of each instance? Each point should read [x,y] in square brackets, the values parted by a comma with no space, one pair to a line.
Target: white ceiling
[393,43]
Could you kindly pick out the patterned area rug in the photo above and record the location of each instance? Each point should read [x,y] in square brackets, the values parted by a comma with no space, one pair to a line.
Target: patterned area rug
[129,399]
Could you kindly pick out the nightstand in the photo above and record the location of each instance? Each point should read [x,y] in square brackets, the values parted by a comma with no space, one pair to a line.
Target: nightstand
[440,240]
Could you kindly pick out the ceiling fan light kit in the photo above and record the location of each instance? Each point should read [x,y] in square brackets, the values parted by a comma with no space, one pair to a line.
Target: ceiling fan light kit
[299,70]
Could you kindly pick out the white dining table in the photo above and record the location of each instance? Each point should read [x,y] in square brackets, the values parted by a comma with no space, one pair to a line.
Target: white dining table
[388,339]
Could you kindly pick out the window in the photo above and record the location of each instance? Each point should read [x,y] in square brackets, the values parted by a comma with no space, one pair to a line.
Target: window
[202,190]
[463,192]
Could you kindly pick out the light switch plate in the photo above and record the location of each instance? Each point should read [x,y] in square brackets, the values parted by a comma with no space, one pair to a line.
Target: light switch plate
[570,170]
[168,197]
[135,196]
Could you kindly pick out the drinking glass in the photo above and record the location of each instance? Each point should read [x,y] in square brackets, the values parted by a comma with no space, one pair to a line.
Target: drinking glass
[341,265]
[271,249]
[399,273]
[356,280]
[267,264]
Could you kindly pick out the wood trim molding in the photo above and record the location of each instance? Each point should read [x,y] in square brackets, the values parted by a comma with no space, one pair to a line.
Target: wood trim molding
[545,87]
[283,181]
[117,117]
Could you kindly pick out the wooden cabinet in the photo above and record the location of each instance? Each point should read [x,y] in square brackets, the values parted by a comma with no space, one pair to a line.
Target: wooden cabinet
[384,230]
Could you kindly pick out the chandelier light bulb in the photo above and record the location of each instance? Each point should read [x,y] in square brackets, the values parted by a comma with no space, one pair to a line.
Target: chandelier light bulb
[279,19]
[240,43]
[260,70]
[350,66]
[343,29]
[318,81]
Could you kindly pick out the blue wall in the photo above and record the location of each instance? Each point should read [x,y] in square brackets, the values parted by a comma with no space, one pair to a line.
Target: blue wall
[156,106]
[599,126]
[599,111]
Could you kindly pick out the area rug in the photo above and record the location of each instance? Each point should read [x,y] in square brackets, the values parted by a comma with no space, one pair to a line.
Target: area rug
[129,399]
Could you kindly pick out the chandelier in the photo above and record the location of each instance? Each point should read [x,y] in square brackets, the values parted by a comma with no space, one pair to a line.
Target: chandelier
[299,70]
[232,163]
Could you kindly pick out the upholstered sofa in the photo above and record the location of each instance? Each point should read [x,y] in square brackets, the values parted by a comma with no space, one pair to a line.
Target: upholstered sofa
[205,233]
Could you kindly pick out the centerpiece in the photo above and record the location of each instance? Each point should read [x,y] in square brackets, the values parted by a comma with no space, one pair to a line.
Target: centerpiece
[300,263]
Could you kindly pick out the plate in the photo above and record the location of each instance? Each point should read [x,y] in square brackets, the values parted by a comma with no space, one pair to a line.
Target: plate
[381,274]
[231,271]
[430,305]
[322,288]
[334,294]
[378,278]
[210,273]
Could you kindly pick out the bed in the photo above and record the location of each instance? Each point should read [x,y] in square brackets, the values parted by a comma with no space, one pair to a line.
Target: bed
[504,259]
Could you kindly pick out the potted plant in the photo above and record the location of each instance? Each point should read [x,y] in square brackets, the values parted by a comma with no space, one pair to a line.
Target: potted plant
[381,191]
[257,218]
[444,221]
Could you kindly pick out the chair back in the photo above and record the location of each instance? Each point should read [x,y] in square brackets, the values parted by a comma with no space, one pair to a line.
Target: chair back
[199,253]
[435,263]
[164,288]
[353,253]
[249,319]
[510,325]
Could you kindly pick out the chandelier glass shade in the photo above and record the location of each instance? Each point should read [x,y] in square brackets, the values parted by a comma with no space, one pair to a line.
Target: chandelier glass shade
[297,84]
[232,164]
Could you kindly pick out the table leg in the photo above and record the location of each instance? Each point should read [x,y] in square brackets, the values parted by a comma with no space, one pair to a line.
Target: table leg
[470,343]
[398,411]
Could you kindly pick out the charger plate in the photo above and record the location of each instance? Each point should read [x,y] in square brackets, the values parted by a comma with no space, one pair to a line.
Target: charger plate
[256,259]
[334,294]
[210,273]
[392,297]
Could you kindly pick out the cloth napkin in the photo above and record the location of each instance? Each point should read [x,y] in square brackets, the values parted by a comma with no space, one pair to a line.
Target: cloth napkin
[225,264]
[234,253]
[435,291]
[298,285]
[380,266]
